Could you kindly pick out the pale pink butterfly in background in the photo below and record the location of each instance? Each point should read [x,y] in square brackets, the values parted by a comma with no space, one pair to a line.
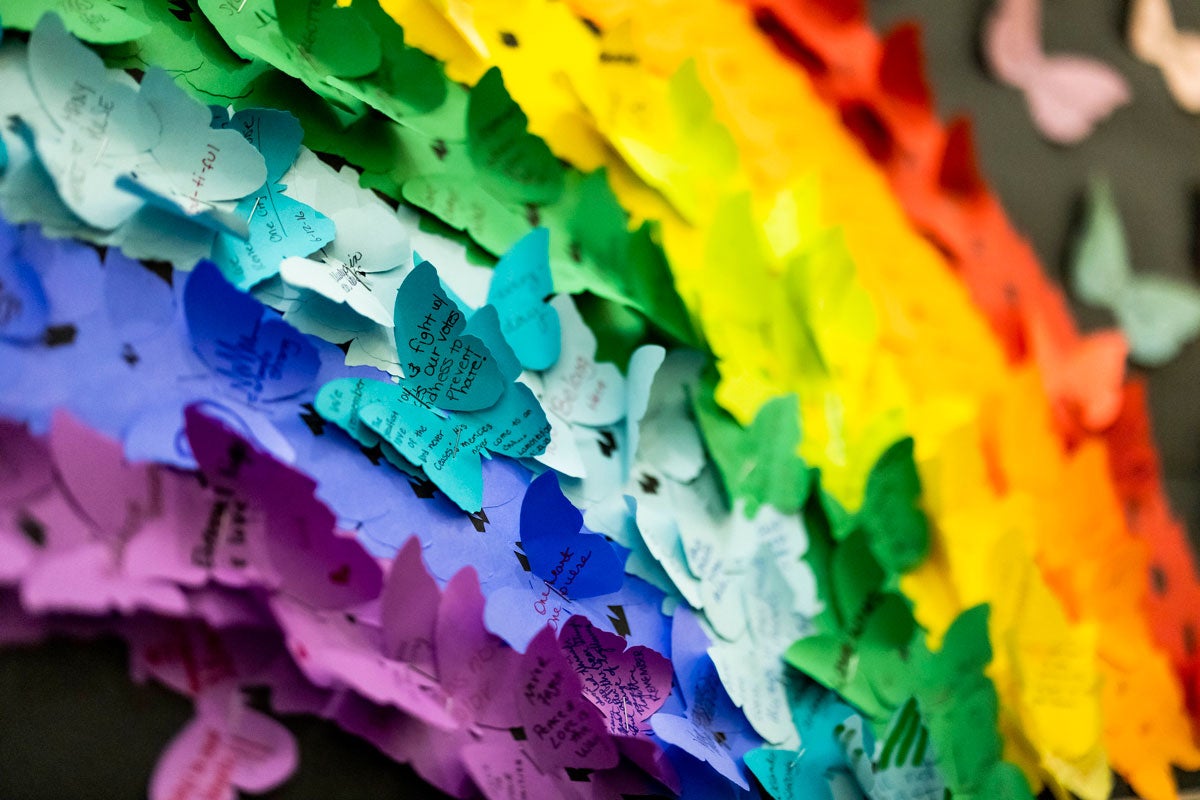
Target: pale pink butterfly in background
[1068,95]
[1155,40]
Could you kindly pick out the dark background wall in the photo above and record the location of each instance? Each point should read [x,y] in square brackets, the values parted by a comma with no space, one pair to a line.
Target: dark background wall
[73,726]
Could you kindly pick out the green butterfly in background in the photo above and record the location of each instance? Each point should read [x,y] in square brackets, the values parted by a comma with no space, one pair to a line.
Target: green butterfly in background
[1158,314]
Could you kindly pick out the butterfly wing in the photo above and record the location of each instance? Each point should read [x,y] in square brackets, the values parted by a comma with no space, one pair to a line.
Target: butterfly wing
[115,504]
[80,94]
[575,564]
[552,702]
[225,746]
[1100,267]
[511,162]
[195,170]
[1159,316]
[429,441]
[473,664]
[258,358]
[279,227]
[784,775]
[337,40]
[545,512]
[1151,30]
[443,368]
[577,387]
[1069,95]
[1181,70]
[1091,376]
[266,752]
[709,708]
[487,326]
[498,766]
[340,401]
[408,607]
[515,426]
[1012,41]
[521,286]
[339,284]
[99,125]
[276,134]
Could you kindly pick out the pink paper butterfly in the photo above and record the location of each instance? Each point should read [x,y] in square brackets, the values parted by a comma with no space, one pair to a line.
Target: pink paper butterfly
[1067,95]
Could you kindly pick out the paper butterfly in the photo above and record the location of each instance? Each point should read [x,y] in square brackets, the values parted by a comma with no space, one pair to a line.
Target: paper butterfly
[261,357]
[489,186]
[262,526]
[443,367]
[552,707]
[194,169]
[1158,314]
[865,620]
[408,82]
[1067,95]
[408,609]
[711,724]
[1155,40]
[449,448]
[339,651]
[96,125]
[473,664]
[573,563]
[280,226]
[457,400]
[627,684]
[80,565]
[836,741]
[313,41]
[99,22]
[227,747]
[521,287]
[511,163]
[906,765]
[580,395]
[348,288]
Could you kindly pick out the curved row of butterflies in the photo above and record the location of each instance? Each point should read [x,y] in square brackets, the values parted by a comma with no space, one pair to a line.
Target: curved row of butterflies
[279,600]
[509,646]
[218,553]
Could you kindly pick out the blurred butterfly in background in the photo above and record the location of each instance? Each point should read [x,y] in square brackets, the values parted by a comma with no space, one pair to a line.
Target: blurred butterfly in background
[1067,95]
[1155,40]
[1158,314]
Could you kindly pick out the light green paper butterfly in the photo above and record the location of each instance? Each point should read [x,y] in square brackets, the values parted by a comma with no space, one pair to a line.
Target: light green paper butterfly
[1158,314]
